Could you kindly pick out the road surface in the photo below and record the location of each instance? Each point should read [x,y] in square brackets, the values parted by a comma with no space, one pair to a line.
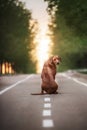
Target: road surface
[19,110]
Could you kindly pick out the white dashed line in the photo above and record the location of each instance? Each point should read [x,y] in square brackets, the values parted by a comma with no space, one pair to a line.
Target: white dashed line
[47,105]
[46,112]
[48,123]
[12,86]
[47,99]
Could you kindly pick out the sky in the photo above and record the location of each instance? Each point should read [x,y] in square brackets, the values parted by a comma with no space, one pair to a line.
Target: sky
[38,8]
[43,48]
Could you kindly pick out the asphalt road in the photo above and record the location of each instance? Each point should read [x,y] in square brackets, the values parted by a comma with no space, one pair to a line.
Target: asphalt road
[19,110]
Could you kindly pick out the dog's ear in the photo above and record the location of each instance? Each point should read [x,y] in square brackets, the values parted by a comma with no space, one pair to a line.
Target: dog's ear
[57,57]
[50,61]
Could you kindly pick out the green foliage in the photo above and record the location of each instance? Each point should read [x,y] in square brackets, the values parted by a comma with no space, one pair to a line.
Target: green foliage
[68,28]
[16,35]
[75,14]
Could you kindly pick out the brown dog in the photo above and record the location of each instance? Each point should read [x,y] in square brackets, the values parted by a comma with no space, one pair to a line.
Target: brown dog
[49,85]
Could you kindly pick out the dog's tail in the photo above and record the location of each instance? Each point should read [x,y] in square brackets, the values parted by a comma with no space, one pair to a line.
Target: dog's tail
[37,93]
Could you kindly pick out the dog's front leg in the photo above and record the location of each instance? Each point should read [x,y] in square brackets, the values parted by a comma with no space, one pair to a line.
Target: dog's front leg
[42,91]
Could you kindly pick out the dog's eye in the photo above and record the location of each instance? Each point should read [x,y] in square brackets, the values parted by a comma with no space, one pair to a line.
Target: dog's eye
[54,59]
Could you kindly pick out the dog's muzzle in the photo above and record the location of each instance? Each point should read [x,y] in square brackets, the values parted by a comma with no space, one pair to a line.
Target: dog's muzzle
[58,63]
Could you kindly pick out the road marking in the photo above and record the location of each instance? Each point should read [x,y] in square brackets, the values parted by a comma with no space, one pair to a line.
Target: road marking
[79,82]
[12,86]
[74,79]
[47,99]
[47,105]
[46,112]
[48,123]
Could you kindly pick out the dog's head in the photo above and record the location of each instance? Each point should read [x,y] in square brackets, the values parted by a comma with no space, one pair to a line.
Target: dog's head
[56,60]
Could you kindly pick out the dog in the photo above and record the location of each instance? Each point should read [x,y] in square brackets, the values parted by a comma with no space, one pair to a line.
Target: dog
[49,85]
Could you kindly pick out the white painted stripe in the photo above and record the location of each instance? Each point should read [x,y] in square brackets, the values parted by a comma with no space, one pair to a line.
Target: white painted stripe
[79,82]
[46,112]
[47,99]
[47,105]
[74,79]
[12,86]
[48,123]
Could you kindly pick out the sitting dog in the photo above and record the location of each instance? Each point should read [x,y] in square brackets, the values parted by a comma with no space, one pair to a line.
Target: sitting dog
[49,85]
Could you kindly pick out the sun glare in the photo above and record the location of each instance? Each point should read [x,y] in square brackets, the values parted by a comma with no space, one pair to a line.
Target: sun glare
[43,51]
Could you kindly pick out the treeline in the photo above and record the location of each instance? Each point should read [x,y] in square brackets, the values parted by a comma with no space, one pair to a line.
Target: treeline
[68,31]
[16,36]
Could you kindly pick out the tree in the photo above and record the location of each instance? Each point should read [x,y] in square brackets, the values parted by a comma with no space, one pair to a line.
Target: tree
[16,35]
[68,28]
